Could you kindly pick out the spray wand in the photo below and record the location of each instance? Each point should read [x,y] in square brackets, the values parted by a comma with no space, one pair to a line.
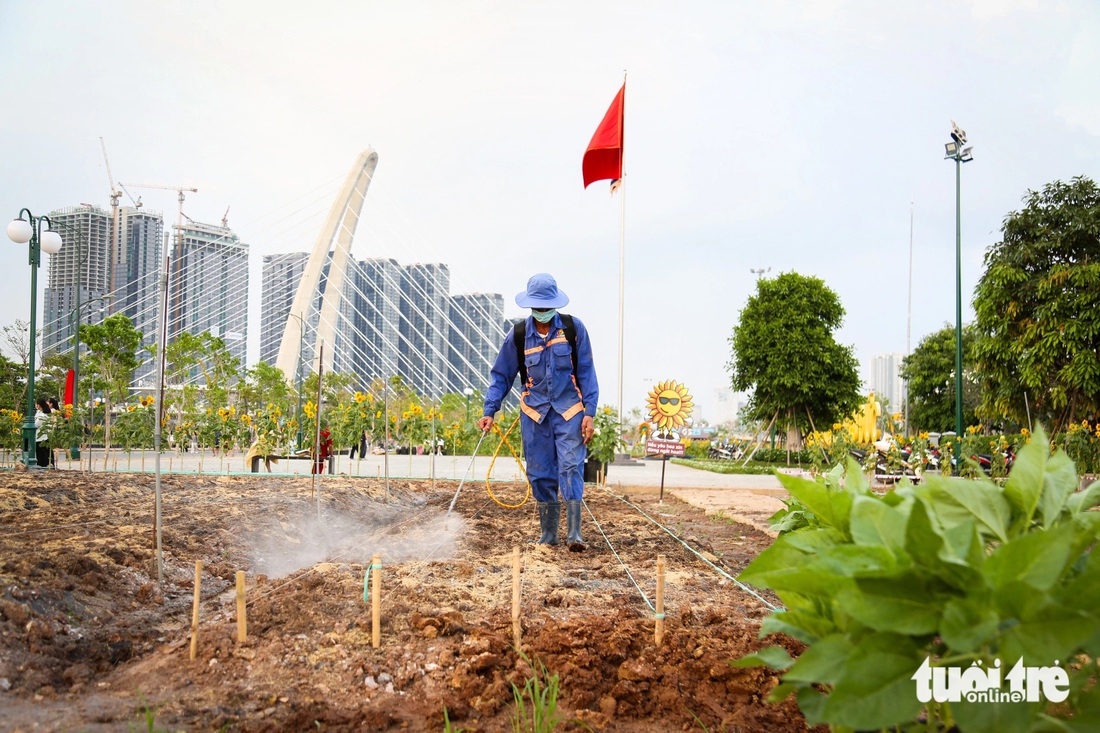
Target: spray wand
[472,459]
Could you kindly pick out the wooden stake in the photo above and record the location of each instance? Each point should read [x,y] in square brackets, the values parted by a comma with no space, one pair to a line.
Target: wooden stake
[242,618]
[195,610]
[515,597]
[659,629]
[375,600]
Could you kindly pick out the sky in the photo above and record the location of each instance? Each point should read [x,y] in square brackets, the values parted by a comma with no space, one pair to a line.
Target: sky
[797,136]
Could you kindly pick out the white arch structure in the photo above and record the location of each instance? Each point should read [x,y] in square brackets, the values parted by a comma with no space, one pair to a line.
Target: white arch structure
[336,236]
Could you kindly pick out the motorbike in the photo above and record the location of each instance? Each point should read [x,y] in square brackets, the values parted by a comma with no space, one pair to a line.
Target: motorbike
[725,452]
[984,461]
[890,463]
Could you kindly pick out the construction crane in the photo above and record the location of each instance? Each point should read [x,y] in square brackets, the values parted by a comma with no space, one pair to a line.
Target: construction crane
[175,298]
[137,203]
[178,189]
[225,218]
[115,193]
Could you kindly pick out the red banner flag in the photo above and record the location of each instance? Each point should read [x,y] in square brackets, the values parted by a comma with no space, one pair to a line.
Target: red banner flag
[604,157]
[69,379]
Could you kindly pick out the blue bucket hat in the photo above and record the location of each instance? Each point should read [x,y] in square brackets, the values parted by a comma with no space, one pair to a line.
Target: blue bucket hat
[542,292]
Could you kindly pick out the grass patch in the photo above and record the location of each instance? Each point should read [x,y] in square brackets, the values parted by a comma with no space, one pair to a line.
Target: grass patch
[757,468]
[540,693]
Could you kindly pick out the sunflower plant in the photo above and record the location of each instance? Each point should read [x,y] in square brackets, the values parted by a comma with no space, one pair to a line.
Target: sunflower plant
[270,429]
[415,425]
[11,432]
[133,428]
[1082,443]
[352,419]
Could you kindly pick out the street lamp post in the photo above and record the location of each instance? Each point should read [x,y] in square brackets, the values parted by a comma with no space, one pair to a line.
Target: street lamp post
[469,391]
[956,152]
[24,231]
[298,371]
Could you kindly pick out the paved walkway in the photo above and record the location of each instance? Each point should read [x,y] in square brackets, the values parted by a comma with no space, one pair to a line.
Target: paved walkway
[745,498]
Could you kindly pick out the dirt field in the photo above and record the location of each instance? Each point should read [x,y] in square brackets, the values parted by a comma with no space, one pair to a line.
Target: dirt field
[90,642]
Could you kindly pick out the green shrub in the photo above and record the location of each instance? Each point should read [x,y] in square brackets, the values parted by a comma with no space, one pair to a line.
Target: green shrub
[779,455]
[952,572]
[696,448]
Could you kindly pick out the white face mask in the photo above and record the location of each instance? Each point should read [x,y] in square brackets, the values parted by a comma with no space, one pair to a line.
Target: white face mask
[545,316]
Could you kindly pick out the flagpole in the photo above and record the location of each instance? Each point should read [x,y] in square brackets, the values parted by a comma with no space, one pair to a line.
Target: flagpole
[622,284]
[622,252]
[603,160]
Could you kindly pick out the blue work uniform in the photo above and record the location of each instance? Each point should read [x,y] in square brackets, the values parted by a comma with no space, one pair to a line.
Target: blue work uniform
[551,404]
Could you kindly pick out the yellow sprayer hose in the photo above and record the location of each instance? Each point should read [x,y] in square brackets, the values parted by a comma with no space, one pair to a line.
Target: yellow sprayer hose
[504,442]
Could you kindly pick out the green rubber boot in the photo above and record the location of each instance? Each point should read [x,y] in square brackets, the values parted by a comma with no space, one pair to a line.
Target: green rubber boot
[550,519]
[573,526]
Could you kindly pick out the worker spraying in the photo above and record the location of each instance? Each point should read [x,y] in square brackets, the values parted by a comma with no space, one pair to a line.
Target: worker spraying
[552,354]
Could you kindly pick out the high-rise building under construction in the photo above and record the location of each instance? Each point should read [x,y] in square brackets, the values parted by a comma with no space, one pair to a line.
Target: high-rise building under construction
[209,287]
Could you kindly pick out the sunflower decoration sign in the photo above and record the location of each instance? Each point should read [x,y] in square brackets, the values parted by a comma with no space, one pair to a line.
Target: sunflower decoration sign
[669,409]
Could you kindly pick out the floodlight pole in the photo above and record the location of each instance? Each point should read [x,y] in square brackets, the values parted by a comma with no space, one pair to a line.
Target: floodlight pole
[959,154]
[958,317]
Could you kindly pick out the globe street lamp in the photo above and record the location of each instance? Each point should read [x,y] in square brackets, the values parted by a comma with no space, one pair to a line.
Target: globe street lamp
[956,152]
[469,391]
[24,231]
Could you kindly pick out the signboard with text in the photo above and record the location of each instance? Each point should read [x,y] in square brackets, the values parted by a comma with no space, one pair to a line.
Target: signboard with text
[672,448]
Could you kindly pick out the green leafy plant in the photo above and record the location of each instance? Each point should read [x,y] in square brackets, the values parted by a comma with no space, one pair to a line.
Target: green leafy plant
[954,572]
[606,439]
[540,694]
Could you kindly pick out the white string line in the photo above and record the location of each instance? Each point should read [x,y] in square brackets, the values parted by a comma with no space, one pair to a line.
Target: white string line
[616,554]
[695,552]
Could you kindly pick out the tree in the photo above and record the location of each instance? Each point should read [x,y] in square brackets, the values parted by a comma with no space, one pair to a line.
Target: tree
[929,373]
[16,340]
[1038,309]
[264,384]
[784,352]
[13,384]
[111,360]
[50,379]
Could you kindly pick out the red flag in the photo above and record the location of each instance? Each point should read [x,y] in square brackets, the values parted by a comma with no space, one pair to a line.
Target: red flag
[604,157]
[68,387]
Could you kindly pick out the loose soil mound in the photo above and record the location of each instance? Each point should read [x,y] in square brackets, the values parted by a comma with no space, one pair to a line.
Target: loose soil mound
[90,641]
